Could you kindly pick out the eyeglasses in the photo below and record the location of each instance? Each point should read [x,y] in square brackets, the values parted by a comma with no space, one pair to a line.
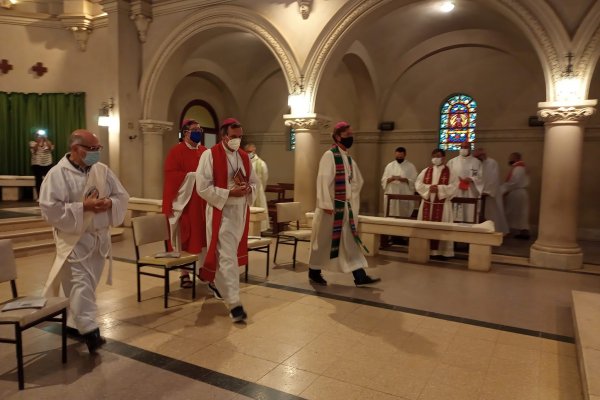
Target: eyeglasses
[91,148]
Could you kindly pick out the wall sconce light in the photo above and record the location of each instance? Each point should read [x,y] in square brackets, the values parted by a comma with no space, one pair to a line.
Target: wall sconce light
[567,87]
[8,4]
[104,113]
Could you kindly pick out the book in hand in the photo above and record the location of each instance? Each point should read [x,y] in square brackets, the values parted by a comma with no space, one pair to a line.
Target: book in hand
[239,178]
[170,254]
[25,302]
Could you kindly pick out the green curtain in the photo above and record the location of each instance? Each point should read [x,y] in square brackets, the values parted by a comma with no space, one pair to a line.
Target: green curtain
[22,114]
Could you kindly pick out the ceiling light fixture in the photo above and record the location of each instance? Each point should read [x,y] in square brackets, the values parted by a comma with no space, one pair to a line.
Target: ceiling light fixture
[8,3]
[447,6]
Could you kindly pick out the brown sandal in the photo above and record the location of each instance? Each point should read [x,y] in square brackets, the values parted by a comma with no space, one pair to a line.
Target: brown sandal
[185,282]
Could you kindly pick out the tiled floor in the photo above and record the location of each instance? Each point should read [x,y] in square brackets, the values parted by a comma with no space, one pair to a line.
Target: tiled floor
[349,343]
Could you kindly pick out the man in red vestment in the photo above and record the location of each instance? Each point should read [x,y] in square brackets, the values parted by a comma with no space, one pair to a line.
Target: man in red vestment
[181,204]
[226,181]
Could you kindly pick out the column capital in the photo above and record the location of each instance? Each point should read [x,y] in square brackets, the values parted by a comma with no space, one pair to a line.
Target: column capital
[308,121]
[557,112]
[153,127]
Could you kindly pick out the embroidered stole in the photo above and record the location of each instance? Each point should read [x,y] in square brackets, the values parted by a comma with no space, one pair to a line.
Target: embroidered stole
[434,210]
[340,204]
[220,177]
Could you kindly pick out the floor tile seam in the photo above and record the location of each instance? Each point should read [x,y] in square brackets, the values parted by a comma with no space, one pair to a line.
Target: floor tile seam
[161,361]
[432,314]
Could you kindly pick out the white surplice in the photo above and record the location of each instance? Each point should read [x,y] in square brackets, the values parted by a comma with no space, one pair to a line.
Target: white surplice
[227,278]
[83,239]
[446,193]
[262,173]
[467,167]
[494,207]
[516,199]
[350,256]
[399,208]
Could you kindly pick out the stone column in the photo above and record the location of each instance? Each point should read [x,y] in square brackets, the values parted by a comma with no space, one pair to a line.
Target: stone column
[152,164]
[306,156]
[556,245]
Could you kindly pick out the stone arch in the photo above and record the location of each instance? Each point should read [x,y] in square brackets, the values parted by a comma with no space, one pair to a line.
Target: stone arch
[586,46]
[233,17]
[547,36]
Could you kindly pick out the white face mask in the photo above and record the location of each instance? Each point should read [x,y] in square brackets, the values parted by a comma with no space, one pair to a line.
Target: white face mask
[464,152]
[436,161]
[234,144]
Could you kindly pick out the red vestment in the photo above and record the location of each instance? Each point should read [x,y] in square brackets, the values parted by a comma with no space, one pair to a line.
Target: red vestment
[192,224]
[220,177]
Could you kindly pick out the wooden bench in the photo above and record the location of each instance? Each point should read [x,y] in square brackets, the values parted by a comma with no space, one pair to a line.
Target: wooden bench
[12,186]
[481,237]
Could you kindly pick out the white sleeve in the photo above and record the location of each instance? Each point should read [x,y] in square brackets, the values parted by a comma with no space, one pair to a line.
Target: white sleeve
[325,181]
[55,205]
[119,197]
[421,187]
[253,182]
[386,174]
[205,185]
[411,176]
[448,191]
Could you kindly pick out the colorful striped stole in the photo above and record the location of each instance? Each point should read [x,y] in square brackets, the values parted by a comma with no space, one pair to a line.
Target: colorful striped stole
[340,203]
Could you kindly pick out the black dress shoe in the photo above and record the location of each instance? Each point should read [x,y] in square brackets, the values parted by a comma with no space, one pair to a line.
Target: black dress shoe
[367,280]
[238,314]
[94,341]
[317,278]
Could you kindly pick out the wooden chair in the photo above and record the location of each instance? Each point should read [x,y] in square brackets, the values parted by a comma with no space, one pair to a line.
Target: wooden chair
[261,245]
[289,213]
[26,318]
[152,229]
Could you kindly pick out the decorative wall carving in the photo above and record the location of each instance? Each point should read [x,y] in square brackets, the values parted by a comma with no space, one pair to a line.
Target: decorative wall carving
[566,113]
[153,127]
[304,8]
[80,26]
[312,122]
[141,15]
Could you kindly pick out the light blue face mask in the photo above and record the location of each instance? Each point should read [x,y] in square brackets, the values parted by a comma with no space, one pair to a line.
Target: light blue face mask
[91,158]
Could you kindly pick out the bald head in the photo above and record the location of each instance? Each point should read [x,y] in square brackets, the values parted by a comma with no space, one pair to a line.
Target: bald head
[84,137]
[83,141]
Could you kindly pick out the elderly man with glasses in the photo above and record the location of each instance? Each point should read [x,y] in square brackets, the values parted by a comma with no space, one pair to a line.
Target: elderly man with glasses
[82,198]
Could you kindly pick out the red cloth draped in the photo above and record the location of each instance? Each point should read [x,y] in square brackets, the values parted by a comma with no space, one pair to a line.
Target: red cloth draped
[438,205]
[209,269]
[179,162]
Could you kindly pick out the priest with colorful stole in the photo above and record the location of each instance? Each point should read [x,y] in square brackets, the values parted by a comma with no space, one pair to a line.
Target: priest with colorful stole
[469,172]
[226,181]
[82,198]
[335,244]
[262,173]
[437,185]
[516,197]
[181,204]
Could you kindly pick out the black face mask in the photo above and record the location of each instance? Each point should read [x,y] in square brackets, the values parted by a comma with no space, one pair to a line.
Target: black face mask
[511,162]
[347,141]
[400,160]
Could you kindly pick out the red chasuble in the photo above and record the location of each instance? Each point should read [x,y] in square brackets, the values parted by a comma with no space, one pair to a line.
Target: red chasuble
[208,270]
[180,161]
[434,210]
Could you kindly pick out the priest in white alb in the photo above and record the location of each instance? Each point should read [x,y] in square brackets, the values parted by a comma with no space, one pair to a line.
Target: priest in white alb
[335,244]
[437,185]
[262,173]
[469,172]
[516,197]
[399,178]
[494,207]
[226,181]
[82,198]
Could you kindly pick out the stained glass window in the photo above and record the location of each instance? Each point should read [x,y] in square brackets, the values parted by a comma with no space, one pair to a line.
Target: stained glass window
[457,121]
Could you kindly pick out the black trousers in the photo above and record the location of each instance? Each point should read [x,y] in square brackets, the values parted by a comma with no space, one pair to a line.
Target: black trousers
[39,172]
